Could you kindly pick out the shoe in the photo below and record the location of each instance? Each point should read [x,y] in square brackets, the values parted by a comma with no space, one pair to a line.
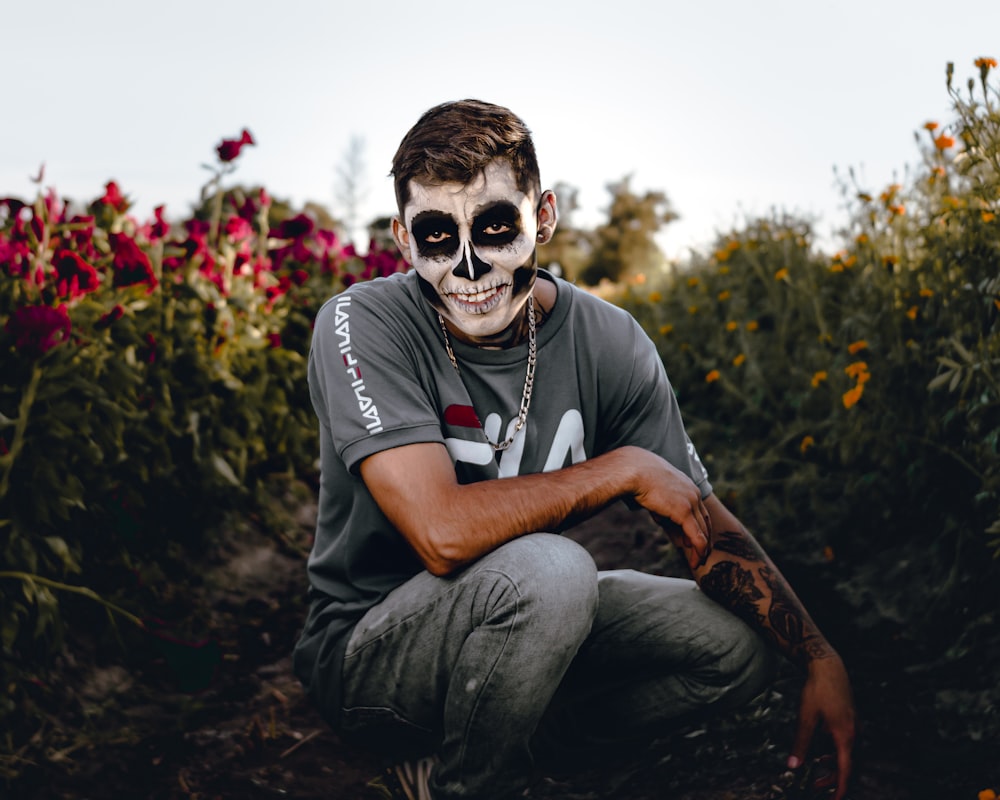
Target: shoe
[406,781]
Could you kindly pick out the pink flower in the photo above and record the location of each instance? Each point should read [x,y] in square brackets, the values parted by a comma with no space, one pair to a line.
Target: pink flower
[238,229]
[230,149]
[37,329]
[131,265]
[74,276]
[110,318]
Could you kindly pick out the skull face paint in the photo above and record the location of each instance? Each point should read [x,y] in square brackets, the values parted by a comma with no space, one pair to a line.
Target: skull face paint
[473,246]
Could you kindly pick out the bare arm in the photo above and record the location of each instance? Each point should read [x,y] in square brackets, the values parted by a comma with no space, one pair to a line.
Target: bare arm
[450,524]
[738,574]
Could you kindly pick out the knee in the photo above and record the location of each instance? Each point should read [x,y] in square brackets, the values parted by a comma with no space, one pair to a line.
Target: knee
[549,575]
[748,666]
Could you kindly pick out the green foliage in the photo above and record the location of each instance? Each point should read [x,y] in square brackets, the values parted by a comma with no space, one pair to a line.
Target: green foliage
[849,405]
[154,378]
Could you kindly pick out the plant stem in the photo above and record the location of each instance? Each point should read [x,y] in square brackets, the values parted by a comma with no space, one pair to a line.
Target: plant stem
[23,412]
[29,578]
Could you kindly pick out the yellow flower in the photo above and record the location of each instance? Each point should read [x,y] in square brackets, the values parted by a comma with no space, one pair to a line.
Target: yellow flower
[857,346]
[806,443]
[721,255]
[725,295]
[739,359]
[818,378]
[836,266]
[692,309]
[752,325]
[732,325]
[692,282]
[713,376]
[665,329]
[925,292]
[861,238]
[988,216]
[781,274]
[851,396]
[723,270]
[655,297]
[911,312]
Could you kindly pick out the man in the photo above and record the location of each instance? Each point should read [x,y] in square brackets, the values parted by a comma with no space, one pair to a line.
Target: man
[469,407]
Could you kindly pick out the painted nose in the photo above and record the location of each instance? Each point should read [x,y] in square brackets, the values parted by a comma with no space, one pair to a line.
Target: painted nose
[471,265]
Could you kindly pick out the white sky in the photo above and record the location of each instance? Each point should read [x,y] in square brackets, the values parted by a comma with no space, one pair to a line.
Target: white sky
[731,107]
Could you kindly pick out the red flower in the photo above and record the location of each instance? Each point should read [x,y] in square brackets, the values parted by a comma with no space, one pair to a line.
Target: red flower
[131,265]
[113,197]
[37,329]
[230,148]
[157,228]
[110,318]
[295,227]
[74,276]
[238,229]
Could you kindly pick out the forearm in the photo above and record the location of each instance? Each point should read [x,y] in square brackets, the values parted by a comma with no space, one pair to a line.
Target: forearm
[451,524]
[739,575]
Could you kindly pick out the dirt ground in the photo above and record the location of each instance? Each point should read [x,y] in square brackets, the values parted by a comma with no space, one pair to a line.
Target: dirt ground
[221,716]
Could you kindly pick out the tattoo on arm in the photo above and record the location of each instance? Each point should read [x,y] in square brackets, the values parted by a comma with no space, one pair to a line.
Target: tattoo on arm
[735,587]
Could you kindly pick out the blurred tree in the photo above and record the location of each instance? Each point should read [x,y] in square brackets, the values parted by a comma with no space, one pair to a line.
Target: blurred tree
[625,244]
[350,184]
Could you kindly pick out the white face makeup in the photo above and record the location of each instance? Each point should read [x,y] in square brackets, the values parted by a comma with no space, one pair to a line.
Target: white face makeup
[474,246]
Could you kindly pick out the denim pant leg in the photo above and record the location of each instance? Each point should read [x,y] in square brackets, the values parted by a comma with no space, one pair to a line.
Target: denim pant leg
[660,653]
[466,665]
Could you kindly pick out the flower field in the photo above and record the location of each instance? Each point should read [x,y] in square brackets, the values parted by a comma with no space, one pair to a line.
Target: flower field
[847,405]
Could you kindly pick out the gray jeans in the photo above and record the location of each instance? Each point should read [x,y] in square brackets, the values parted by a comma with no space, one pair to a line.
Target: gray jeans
[531,651]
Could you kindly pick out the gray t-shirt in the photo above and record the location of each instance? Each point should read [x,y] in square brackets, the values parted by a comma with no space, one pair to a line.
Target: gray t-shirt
[380,377]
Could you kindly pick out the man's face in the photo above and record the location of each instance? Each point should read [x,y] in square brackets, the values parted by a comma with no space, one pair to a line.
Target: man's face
[474,246]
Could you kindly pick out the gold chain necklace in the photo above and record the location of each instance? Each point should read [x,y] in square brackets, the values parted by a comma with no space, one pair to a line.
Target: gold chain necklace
[529,376]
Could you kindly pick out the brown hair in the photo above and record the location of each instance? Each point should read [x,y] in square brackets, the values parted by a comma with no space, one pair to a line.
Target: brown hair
[455,141]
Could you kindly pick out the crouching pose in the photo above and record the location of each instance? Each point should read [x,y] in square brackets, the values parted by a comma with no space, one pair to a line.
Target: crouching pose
[469,410]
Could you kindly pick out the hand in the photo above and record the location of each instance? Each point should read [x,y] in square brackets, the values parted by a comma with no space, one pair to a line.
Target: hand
[826,698]
[676,504]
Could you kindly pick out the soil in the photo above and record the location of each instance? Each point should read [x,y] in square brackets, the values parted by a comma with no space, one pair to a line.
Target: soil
[220,715]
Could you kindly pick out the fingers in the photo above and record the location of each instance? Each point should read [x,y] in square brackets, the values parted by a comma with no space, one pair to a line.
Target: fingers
[803,736]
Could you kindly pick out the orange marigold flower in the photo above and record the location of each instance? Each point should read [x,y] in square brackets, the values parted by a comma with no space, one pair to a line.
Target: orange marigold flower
[665,329]
[739,359]
[925,292]
[723,270]
[931,126]
[988,216]
[890,260]
[713,376]
[857,346]
[721,255]
[818,378]
[752,325]
[911,312]
[836,266]
[692,282]
[732,325]
[781,274]
[987,794]
[640,278]
[997,304]
[806,443]
[655,297]
[828,553]
[943,142]
[692,309]
[986,62]
[851,396]
[898,209]
[724,295]
[861,238]
[857,369]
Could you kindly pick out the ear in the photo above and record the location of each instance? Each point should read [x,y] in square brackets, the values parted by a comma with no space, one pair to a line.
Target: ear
[548,216]
[402,237]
